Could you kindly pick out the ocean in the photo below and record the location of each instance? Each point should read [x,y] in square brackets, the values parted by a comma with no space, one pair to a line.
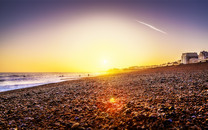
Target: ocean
[12,81]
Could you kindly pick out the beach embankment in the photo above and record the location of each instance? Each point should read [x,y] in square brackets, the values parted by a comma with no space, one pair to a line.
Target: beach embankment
[174,97]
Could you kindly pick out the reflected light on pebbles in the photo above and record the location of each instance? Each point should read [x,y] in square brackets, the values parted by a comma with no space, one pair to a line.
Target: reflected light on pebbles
[114,105]
[112,100]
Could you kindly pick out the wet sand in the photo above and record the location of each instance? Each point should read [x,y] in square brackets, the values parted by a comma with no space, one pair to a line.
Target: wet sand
[162,98]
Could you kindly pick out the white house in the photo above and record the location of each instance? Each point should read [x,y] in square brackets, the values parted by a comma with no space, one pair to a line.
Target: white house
[187,58]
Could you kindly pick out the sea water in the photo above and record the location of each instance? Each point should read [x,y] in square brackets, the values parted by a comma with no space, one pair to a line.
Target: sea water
[11,81]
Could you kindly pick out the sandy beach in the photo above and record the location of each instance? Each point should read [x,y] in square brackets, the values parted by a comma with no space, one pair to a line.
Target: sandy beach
[173,97]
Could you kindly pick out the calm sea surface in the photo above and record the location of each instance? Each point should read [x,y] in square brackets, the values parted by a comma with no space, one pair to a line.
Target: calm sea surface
[11,81]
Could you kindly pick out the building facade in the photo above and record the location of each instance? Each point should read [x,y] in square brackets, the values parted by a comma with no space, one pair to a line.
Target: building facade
[188,58]
[203,55]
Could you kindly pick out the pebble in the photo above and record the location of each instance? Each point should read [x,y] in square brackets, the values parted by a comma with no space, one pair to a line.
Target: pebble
[75,125]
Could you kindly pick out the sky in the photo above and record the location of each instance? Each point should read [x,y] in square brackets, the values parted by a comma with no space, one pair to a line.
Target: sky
[93,36]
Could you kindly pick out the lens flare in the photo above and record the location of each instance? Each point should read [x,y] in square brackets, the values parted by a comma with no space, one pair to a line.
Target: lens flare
[112,100]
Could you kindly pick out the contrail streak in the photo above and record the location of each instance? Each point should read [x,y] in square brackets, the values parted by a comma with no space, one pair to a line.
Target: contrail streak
[152,27]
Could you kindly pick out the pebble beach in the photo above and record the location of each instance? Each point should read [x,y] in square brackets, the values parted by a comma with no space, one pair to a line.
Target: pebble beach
[174,97]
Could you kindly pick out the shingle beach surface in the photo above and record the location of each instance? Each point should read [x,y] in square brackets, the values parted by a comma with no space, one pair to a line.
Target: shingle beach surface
[173,97]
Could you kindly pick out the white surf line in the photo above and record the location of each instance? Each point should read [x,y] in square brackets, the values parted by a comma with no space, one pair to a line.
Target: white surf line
[152,27]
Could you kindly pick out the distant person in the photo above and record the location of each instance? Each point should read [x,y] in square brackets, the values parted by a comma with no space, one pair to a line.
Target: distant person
[88,75]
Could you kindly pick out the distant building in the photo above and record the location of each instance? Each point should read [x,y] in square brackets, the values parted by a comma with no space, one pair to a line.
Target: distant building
[188,58]
[203,55]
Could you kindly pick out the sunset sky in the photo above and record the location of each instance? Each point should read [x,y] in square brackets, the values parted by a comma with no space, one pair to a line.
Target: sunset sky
[93,36]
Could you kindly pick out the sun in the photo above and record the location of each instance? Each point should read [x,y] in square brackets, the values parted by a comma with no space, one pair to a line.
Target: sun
[105,62]
[105,65]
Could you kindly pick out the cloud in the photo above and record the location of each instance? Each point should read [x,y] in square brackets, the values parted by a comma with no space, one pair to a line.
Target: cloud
[152,27]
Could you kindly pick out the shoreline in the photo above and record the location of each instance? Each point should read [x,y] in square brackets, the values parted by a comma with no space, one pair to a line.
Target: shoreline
[63,79]
[165,67]
[105,75]
[39,86]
